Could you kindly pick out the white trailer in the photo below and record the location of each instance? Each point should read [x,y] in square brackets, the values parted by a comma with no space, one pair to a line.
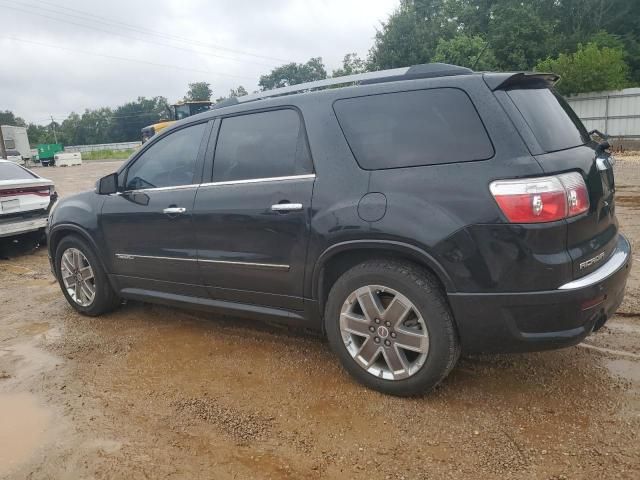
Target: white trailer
[15,138]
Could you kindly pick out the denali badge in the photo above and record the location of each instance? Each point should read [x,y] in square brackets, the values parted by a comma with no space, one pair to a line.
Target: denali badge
[591,261]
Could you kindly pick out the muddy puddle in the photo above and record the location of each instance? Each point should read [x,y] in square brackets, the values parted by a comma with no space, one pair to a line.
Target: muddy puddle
[23,426]
[630,201]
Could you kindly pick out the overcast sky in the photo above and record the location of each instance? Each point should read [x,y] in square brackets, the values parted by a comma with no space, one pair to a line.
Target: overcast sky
[60,56]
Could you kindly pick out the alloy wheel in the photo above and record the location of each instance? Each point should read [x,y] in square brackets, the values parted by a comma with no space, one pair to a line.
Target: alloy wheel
[384,332]
[78,277]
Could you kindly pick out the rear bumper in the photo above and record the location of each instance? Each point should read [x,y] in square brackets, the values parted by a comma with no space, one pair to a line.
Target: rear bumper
[530,321]
[20,226]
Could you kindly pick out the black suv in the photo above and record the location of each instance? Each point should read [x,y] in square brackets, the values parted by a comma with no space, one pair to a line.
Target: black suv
[411,215]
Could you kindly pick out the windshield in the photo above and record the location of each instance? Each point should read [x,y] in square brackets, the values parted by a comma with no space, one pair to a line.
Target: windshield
[551,119]
[199,108]
[11,171]
[182,111]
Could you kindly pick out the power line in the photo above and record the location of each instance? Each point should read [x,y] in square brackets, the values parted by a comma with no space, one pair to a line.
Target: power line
[153,42]
[114,57]
[147,31]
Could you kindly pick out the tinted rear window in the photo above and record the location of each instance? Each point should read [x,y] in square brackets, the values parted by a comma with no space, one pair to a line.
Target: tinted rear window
[11,171]
[551,119]
[261,145]
[408,129]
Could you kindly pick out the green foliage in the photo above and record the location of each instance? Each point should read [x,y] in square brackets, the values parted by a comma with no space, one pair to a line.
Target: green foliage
[39,134]
[472,52]
[234,92]
[107,154]
[130,118]
[199,91]
[592,68]
[519,34]
[351,65]
[411,35]
[293,74]
[8,118]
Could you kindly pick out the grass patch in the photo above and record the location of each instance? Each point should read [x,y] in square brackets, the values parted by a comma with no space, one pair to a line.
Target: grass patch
[107,154]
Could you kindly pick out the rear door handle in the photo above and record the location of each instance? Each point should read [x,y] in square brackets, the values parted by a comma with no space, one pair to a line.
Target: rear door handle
[286,207]
[174,210]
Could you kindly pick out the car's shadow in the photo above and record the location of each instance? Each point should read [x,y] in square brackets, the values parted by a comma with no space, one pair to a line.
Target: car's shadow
[20,245]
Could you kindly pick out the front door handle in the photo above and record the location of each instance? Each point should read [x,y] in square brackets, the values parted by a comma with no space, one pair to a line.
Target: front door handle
[286,207]
[174,210]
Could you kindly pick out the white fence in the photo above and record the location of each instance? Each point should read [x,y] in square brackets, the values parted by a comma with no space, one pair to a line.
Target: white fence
[616,113]
[102,146]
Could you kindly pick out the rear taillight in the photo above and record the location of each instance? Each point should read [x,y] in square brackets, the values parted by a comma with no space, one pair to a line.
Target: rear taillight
[13,192]
[542,199]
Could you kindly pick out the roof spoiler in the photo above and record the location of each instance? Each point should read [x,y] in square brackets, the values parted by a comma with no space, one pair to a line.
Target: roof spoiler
[504,81]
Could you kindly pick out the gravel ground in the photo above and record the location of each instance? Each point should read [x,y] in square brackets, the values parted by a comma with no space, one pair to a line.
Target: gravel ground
[154,392]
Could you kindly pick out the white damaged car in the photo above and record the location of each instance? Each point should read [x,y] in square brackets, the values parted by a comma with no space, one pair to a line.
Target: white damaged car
[25,200]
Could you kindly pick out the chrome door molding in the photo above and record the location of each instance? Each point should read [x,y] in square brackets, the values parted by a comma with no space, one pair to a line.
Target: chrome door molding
[128,256]
[270,266]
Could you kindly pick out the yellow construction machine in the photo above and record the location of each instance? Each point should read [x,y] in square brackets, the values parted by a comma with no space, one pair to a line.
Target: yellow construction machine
[177,111]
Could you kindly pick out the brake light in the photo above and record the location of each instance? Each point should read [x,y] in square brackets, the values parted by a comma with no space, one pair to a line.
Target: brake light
[39,191]
[542,199]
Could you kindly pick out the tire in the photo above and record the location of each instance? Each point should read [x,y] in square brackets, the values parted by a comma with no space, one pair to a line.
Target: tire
[426,361]
[104,299]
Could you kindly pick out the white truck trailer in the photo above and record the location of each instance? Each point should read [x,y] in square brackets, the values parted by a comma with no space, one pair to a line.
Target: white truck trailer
[15,138]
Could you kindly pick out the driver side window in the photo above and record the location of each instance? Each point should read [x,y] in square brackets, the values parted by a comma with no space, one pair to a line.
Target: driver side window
[169,162]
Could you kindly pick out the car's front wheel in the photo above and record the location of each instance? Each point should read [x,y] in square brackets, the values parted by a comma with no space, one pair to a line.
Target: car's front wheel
[391,327]
[82,279]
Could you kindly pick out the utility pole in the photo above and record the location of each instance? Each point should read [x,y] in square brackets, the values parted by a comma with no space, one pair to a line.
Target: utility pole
[53,125]
[3,153]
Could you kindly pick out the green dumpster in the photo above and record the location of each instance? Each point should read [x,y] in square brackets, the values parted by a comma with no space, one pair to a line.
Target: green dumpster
[46,151]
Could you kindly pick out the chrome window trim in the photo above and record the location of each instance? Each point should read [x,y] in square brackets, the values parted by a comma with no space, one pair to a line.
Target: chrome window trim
[259,180]
[161,189]
[217,184]
[271,266]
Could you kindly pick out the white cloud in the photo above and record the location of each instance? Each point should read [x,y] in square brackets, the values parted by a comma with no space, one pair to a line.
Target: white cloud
[39,79]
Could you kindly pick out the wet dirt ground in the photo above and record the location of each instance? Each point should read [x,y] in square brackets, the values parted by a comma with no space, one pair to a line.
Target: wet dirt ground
[154,392]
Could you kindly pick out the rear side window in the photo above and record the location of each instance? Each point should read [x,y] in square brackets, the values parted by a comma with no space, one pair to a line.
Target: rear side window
[11,171]
[261,145]
[552,121]
[408,129]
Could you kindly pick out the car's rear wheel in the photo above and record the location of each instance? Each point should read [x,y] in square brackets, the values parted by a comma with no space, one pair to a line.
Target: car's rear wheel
[391,327]
[82,278]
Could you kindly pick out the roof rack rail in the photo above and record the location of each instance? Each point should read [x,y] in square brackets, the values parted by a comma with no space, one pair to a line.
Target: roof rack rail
[427,70]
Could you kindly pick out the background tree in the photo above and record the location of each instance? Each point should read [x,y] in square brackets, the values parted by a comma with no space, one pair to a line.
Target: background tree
[411,34]
[8,118]
[519,35]
[592,68]
[293,74]
[234,92]
[472,52]
[199,91]
[351,65]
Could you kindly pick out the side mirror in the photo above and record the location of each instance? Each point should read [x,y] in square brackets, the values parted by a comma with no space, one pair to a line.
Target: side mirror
[108,184]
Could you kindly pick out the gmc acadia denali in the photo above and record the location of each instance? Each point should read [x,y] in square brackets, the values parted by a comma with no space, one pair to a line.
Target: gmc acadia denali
[409,215]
